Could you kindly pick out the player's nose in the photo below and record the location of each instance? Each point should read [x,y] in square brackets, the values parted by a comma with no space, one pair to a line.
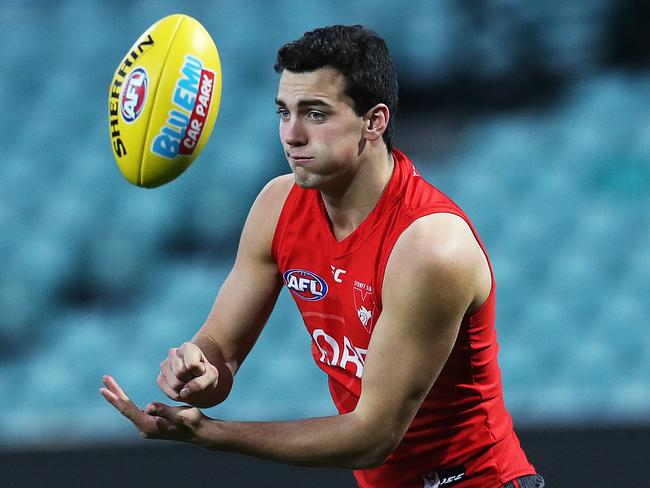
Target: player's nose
[294,133]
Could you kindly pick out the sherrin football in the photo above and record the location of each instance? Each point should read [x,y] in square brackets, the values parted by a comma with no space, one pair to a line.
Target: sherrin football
[163,101]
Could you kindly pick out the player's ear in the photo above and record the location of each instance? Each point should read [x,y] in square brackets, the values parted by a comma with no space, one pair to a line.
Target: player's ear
[376,121]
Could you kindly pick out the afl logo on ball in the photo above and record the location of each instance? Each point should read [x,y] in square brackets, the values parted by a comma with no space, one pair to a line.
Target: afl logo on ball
[305,284]
[134,94]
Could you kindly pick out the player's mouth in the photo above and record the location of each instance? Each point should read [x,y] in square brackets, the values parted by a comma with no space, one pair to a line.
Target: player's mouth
[299,159]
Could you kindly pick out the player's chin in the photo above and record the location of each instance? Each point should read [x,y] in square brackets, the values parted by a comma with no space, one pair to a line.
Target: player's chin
[306,182]
[304,178]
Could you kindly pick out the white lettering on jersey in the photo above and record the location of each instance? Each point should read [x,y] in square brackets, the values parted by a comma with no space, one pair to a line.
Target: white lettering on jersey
[340,355]
[451,476]
[337,272]
[331,360]
[451,479]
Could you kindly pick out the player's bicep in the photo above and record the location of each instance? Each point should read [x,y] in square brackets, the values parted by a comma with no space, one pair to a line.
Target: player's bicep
[428,287]
[250,291]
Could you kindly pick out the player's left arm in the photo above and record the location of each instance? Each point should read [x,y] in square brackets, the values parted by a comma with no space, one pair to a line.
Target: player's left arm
[435,275]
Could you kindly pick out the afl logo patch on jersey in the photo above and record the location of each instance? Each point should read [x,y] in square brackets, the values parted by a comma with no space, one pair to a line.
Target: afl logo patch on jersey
[134,94]
[305,284]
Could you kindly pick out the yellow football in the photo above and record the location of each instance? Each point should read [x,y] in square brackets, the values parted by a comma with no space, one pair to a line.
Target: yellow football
[163,101]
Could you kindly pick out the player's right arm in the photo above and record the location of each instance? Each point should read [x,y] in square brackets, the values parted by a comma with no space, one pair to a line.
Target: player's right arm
[200,372]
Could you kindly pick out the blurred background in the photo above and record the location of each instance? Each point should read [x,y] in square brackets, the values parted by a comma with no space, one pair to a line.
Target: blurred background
[533,116]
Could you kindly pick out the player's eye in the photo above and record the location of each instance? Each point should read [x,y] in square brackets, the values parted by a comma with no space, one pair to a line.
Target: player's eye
[316,116]
[282,112]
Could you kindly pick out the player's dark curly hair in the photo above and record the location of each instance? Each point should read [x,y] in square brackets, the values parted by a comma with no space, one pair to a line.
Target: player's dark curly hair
[359,54]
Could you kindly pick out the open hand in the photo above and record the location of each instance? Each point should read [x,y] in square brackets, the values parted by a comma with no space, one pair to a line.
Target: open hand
[157,421]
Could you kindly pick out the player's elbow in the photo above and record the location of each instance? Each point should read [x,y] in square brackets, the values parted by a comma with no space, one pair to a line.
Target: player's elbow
[373,459]
[377,450]
[376,437]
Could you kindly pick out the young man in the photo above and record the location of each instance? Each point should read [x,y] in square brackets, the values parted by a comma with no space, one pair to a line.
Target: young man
[392,282]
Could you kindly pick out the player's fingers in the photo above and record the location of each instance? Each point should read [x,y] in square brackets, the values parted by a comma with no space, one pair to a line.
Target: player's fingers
[200,383]
[193,359]
[109,396]
[124,408]
[165,411]
[116,397]
[164,425]
[174,382]
[114,388]
[175,364]
[166,388]
[150,409]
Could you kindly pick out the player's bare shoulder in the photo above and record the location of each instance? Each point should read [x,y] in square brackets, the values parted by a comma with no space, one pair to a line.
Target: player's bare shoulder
[268,204]
[274,193]
[264,215]
[442,247]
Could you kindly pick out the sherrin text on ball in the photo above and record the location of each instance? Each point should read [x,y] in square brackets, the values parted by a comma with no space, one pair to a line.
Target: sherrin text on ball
[163,101]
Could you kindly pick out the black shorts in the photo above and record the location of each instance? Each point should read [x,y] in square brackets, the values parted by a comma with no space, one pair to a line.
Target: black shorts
[528,481]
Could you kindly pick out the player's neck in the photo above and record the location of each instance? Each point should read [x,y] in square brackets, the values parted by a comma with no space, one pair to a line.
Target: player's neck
[348,207]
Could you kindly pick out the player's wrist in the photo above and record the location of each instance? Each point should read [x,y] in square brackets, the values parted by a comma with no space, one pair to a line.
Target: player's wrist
[206,433]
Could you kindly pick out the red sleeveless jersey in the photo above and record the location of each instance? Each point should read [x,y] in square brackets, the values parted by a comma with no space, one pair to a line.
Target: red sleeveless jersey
[462,433]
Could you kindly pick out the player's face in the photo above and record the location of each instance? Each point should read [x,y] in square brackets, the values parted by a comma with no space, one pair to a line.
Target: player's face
[321,134]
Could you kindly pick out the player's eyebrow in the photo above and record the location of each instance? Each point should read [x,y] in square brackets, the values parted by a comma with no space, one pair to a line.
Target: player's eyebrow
[307,102]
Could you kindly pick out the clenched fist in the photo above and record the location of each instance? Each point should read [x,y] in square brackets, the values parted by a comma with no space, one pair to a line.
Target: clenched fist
[187,376]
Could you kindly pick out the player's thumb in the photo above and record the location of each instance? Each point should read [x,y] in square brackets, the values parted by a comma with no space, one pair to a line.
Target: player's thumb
[199,384]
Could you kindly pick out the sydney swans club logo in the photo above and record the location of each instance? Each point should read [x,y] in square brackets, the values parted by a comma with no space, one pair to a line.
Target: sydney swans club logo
[134,94]
[305,284]
[364,302]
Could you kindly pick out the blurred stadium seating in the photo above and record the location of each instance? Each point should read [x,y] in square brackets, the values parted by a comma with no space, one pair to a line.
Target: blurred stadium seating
[101,277]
